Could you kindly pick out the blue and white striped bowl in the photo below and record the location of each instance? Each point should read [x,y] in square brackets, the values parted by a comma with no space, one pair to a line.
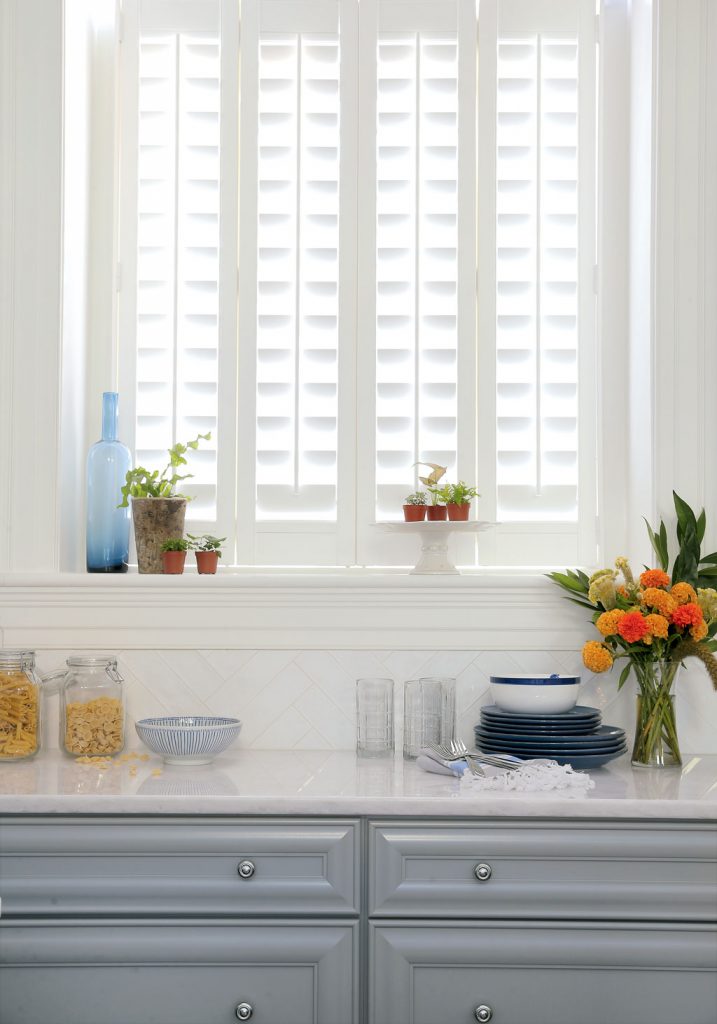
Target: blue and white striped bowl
[188,739]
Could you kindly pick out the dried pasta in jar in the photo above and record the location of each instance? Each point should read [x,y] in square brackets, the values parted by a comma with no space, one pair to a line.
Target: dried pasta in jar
[94,727]
[19,714]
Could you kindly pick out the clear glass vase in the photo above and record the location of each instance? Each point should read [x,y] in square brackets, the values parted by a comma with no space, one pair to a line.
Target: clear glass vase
[656,744]
[107,526]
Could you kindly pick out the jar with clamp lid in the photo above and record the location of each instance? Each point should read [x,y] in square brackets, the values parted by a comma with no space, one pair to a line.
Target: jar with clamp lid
[19,706]
[92,707]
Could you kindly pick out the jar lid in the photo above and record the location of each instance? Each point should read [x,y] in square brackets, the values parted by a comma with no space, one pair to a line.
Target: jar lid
[92,660]
[17,657]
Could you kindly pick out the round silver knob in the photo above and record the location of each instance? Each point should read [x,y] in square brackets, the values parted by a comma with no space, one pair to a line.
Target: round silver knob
[246,869]
[483,873]
[483,1014]
[245,1011]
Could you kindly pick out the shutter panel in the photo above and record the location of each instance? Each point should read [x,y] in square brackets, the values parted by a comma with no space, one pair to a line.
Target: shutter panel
[540,270]
[172,255]
[297,277]
[297,272]
[420,259]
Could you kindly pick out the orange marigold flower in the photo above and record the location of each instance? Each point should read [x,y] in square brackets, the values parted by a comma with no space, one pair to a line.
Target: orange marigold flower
[654,578]
[657,625]
[687,615]
[699,631]
[596,656]
[607,623]
[665,603]
[622,591]
[684,593]
[632,627]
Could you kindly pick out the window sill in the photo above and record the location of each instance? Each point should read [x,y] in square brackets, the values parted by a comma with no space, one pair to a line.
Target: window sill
[325,610]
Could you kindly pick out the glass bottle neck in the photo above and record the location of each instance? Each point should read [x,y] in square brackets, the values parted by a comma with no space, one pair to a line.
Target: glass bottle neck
[109,415]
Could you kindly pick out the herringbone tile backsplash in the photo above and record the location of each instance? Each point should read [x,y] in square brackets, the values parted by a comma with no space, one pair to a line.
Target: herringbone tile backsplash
[305,699]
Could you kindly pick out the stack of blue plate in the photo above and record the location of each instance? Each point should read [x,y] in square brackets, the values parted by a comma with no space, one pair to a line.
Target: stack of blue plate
[573,737]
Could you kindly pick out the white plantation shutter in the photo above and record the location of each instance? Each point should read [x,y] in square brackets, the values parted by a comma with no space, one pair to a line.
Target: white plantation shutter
[297,272]
[353,351]
[418,60]
[177,278]
[537,177]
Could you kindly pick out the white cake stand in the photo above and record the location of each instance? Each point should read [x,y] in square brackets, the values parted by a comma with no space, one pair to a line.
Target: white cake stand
[434,558]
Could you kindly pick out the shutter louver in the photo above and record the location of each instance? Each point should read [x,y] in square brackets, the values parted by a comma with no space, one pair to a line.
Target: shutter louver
[416,261]
[297,277]
[178,255]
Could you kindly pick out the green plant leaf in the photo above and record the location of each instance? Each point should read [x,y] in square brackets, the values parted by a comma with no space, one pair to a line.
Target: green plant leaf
[623,675]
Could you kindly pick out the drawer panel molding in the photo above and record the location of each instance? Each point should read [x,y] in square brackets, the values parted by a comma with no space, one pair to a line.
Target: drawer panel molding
[144,868]
[572,871]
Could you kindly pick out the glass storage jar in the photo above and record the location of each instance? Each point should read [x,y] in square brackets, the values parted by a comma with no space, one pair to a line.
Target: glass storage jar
[92,707]
[19,706]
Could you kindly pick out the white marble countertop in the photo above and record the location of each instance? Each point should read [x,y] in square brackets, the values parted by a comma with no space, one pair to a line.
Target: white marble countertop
[311,783]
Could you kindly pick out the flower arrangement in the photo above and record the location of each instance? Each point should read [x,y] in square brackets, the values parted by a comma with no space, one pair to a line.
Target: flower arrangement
[654,622]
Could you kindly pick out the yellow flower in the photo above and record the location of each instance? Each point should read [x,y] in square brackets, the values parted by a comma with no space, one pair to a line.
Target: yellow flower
[623,566]
[660,599]
[602,591]
[607,623]
[596,656]
[683,593]
[658,626]
[707,600]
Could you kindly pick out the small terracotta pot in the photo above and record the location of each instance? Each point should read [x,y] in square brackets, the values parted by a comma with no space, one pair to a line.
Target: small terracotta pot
[458,513]
[435,513]
[207,562]
[173,562]
[414,513]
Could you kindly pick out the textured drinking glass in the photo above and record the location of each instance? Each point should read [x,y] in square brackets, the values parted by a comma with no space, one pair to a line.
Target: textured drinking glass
[107,526]
[429,713]
[374,717]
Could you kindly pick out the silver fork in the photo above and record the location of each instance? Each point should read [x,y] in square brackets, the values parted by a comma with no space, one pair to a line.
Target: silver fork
[459,749]
[453,754]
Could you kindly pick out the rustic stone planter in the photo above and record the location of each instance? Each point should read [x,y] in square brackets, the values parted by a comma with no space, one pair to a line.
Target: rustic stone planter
[156,520]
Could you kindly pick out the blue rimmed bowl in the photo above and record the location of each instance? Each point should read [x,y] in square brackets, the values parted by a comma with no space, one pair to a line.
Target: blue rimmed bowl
[188,739]
[537,694]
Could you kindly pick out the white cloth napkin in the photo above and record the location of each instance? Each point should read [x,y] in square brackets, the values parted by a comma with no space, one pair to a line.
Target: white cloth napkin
[535,776]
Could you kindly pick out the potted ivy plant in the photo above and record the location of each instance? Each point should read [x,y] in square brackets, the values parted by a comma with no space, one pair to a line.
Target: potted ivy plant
[208,552]
[434,511]
[174,553]
[414,507]
[457,498]
[157,509]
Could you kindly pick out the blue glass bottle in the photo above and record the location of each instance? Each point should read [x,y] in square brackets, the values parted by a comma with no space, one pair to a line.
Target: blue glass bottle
[107,526]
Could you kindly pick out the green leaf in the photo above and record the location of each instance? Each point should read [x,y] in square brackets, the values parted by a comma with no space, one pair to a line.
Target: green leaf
[623,675]
[712,559]
[659,544]
[568,580]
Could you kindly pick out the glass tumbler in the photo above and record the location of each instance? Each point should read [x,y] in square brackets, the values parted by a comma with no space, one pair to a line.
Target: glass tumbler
[374,717]
[429,713]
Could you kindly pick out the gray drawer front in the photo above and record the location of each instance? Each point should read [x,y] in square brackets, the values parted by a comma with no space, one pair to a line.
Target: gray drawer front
[578,871]
[188,974]
[136,868]
[528,974]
